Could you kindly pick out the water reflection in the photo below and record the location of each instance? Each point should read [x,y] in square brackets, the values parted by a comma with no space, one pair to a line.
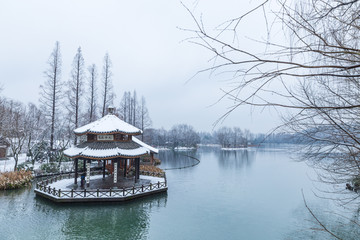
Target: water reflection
[209,201]
[177,159]
[12,194]
[129,220]
[25,216]
[342,225]
[236,159]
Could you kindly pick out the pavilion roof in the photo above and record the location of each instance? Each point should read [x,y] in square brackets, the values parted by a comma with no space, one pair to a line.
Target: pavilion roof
[141,143]
[107,125]
[106,150]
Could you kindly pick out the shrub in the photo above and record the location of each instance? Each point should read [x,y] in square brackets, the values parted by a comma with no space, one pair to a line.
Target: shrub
[25,166]
[50,167]
[149,168]
[12,180]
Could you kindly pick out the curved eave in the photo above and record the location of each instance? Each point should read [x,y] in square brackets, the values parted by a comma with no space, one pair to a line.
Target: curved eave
[101,154]
[141,143]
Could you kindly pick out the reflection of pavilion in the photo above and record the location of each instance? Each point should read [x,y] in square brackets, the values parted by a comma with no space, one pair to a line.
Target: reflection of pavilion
[110,221]
[110,141]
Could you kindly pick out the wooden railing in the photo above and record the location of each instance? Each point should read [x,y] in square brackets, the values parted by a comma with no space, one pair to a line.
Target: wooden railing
[43,186]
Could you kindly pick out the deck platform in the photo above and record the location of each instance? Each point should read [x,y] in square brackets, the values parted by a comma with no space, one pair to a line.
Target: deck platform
[62,188]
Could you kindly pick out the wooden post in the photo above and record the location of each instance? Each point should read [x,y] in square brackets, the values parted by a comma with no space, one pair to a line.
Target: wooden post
[118,163]
[137,169]
[104,166]
[125,163]
[84,165]
[76,170]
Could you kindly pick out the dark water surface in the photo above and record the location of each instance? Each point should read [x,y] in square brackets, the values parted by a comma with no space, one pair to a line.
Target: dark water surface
[248,194]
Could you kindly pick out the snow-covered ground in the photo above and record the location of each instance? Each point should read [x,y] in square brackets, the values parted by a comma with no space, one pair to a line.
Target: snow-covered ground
[163,149]
[209,145]
[234,149]
[64,183]
[7,165]
[184,148]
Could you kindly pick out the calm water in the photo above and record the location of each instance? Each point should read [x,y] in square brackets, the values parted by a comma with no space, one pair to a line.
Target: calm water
[249,194]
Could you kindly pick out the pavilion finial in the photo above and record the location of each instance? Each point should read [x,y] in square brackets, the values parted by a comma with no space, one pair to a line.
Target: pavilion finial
[111,109]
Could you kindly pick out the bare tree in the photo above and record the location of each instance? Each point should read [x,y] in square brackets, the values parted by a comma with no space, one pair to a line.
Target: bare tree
[223,136]
[237,139]
[15,128]
[75,91]
[134,113]
[124,106]
[183,135]
[35,124]
[129,106]
[3,110]
[313,70]
[145,120]
[107,91]
[156,137]
[134,109]
[92,93]
[50,95]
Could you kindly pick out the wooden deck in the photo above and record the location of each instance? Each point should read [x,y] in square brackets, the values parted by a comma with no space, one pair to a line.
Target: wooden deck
[62,189]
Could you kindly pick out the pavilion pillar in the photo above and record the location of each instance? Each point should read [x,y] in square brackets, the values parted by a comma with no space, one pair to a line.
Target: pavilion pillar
[76,170]
[104,167]
[125,165]
[137,169]
[84,165]
[115,170]
[88,172]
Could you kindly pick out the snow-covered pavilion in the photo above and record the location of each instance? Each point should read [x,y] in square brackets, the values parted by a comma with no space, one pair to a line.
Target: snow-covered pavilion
[109,139]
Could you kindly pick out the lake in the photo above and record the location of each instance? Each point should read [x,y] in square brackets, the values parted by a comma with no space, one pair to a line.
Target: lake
[245,194]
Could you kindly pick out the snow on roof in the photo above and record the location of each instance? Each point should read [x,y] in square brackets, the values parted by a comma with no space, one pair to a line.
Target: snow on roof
[88,152]
[108,124]
[141,143]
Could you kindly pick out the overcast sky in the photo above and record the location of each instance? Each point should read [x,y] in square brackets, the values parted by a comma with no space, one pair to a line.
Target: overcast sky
[149,53]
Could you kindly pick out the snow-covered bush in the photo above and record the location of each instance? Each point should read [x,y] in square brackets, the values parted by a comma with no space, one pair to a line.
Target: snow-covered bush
[17,179]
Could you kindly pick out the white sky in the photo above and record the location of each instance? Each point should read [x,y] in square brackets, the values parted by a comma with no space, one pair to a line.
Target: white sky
[147,49]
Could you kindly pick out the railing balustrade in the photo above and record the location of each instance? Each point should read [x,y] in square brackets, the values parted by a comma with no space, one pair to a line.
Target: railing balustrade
[43,186]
